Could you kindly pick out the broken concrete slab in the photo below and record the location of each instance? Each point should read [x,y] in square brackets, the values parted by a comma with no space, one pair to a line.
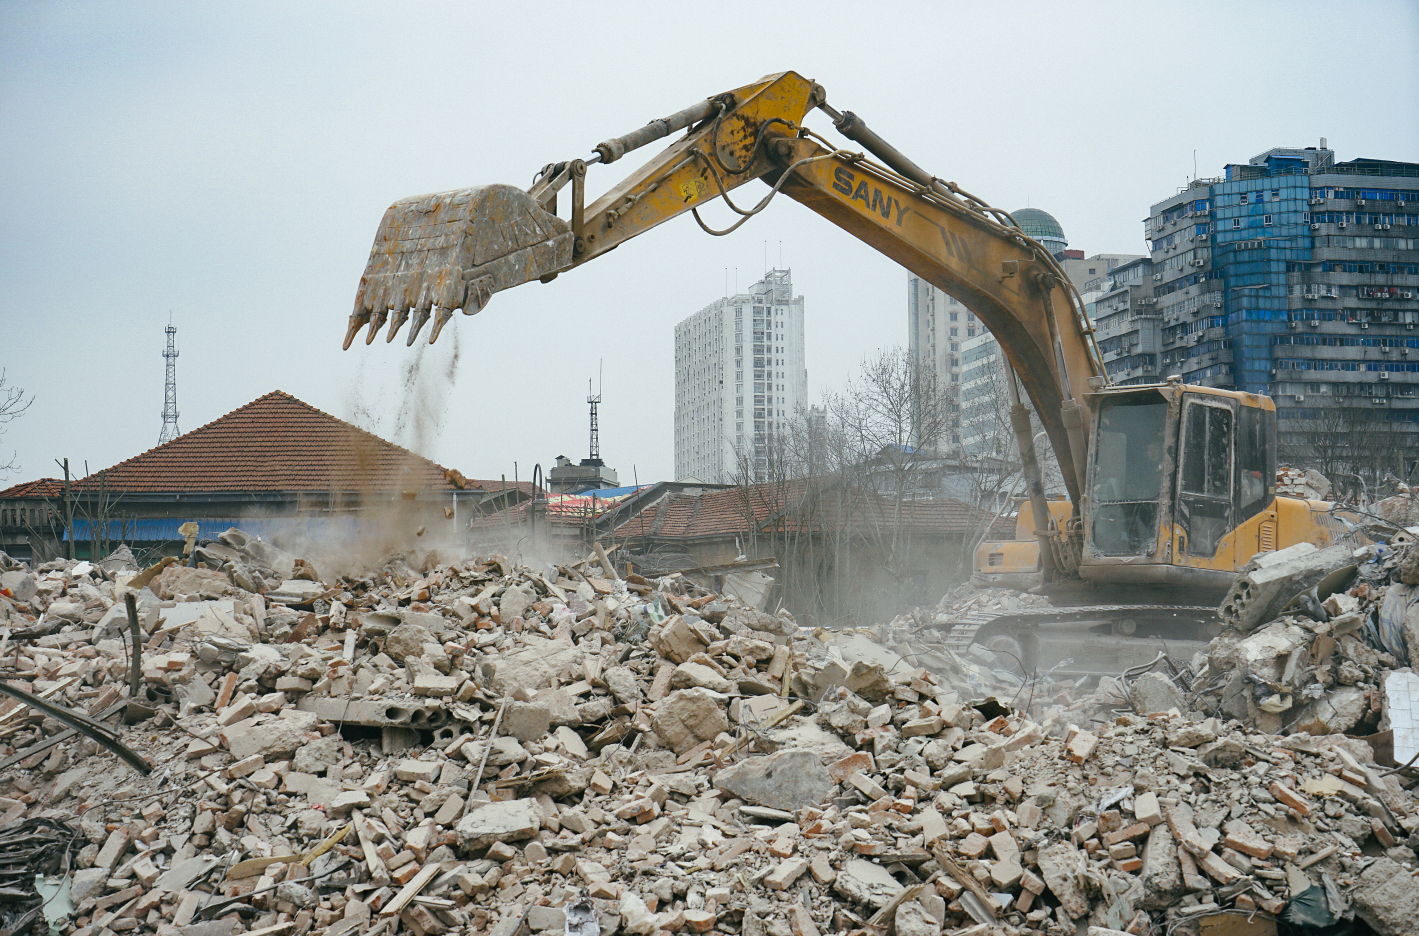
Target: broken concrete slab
[866,882]
[1272,579]
[509,821]
[789,780]
[1386,896]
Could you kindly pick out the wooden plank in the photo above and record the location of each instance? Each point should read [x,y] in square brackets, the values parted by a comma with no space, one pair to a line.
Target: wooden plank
[412,889]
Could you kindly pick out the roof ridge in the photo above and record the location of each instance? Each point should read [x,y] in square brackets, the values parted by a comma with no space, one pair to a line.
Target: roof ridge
[276,442]
[272,394]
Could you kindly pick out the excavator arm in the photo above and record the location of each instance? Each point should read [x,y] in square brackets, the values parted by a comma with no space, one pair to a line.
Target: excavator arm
[437,253]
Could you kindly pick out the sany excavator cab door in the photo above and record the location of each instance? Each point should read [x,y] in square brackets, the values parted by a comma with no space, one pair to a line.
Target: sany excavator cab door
[1226,480]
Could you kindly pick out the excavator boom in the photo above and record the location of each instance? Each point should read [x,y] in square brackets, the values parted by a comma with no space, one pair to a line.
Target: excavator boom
[437,253]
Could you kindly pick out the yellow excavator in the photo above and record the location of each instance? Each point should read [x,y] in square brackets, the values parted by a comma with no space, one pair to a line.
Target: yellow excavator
[1171,487]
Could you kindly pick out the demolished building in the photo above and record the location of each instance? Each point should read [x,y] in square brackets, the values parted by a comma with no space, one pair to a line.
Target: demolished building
[481,747]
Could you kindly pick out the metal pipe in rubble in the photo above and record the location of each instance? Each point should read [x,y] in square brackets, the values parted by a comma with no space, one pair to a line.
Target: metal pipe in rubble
[1034,480]
[615,148]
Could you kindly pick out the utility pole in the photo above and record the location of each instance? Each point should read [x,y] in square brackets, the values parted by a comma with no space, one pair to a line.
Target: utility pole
[170,430]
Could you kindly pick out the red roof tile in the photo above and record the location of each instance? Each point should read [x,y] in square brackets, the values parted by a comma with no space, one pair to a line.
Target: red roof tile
[275,443]
[44,487]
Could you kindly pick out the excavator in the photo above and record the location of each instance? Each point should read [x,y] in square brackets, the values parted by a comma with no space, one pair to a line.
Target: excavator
[1170,487]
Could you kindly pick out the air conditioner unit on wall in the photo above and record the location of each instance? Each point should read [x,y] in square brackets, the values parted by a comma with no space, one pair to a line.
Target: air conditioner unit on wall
[1315,227]
[1341,225]
[1384,375]
[1300,398]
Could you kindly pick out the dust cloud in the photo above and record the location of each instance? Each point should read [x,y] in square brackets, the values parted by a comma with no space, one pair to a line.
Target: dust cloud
[382,500]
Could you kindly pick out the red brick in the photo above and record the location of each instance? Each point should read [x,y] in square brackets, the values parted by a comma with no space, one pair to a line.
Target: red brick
[1289,797]
[1128,833]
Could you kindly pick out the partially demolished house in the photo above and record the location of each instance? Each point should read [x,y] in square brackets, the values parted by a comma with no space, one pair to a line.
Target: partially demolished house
[846,553]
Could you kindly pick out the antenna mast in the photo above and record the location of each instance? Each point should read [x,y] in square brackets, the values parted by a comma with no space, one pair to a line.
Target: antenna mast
[593,399]
[170,430]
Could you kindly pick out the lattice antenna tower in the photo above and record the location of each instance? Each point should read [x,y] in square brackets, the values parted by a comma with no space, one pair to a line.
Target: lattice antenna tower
[170,430]
[593,399]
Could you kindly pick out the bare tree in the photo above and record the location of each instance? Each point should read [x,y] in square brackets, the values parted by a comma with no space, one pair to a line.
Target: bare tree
[1354,446]
[12,406]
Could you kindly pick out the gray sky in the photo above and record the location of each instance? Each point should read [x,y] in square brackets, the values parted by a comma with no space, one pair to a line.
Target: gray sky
[227,165]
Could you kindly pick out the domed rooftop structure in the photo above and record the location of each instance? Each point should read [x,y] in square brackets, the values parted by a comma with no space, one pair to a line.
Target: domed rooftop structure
[1042,226]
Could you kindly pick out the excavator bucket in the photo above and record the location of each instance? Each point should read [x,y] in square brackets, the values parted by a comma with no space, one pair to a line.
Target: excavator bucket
[452,250]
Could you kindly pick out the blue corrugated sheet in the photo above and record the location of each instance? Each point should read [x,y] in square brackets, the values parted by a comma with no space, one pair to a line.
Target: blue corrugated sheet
[609,492]
[166,530]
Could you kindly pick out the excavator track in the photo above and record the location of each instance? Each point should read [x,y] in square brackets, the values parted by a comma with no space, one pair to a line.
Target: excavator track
[1044,637]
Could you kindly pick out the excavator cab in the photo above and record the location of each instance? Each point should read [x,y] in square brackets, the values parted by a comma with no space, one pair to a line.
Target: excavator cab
[1180,491]
[1181,485]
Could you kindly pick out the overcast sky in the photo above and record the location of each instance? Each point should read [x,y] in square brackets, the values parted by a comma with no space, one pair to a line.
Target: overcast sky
[226,165]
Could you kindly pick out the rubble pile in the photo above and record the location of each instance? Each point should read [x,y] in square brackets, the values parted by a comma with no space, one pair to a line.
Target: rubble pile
[1320,641]
[1309,484]
[483,747]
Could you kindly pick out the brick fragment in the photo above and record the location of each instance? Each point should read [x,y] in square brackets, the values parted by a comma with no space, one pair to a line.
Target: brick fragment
[866,786]
[1289,797]
[974,845]
[1081,746]
[783,876]
[1146,808]
[1127,833]
[1244,838]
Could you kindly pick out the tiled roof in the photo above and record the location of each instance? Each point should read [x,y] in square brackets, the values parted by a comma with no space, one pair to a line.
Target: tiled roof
[44,487]
[275,443]
[800,505]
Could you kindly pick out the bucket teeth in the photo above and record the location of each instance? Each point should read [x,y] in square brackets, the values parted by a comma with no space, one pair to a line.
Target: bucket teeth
[420,317]
[376,323]
[357,321]
[441,317]
[454,250]
[397,318]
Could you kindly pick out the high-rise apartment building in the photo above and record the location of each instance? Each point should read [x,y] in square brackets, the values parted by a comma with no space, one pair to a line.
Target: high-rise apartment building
[941,331]
[936,326]
[740,376]
[985,414]
[1127,324]
[1296,276]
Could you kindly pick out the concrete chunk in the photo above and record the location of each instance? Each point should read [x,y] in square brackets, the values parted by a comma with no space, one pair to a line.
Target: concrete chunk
[1271,580]
[497,822]
[1386,898]
[866,882]
[1061,865]
[789,780]
[685,718]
